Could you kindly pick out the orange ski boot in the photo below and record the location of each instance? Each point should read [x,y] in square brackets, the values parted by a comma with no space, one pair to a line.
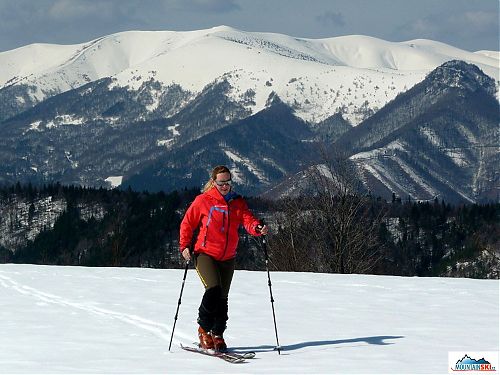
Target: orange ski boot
[219,343]
[206,341]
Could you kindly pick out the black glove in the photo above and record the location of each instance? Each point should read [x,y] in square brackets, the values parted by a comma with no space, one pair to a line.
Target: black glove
[262,224]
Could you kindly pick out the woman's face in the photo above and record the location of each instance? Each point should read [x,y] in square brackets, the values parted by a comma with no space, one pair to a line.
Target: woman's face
[223,183]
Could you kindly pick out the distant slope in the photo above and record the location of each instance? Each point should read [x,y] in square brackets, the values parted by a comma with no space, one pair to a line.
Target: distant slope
[439,139]
[322,77]
[259,150]
[157,109]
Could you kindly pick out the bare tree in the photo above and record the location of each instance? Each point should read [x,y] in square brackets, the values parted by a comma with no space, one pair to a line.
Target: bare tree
[332,227]
[349,221]
[293,248]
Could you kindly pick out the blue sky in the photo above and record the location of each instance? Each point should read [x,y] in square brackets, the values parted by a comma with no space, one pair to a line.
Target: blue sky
[468,24]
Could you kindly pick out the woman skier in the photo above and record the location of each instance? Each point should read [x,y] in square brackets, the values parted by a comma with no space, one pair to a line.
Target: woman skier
[217,212]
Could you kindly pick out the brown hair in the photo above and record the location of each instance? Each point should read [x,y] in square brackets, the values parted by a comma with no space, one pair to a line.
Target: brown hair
[213,176]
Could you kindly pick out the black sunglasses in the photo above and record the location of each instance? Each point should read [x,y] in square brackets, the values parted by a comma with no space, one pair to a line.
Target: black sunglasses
[222,183]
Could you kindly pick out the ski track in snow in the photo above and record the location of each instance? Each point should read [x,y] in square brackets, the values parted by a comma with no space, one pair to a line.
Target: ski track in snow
[72,320]
[156,328]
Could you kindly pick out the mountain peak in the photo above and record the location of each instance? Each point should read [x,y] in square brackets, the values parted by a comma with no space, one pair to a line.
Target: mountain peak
[273,99]
[223,28]
[457,73]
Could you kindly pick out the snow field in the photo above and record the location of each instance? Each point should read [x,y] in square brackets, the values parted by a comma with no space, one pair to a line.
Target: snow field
[58,319]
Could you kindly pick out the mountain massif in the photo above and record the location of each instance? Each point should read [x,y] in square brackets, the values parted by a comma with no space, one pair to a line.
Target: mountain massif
[156,110]
[439,139]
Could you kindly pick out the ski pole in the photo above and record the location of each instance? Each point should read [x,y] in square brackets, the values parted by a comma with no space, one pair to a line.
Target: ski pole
[179,303]
[264,245]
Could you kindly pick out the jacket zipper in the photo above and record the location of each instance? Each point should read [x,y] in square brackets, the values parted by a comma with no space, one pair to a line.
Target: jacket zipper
[227,233]
[210,218]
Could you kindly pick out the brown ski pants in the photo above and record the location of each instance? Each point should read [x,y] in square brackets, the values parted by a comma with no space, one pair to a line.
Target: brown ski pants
[216,277]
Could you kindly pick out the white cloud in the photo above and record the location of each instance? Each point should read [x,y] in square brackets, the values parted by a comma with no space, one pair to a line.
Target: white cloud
[331,18]
[481,20]
[68,9]
[456,28]
[211,6]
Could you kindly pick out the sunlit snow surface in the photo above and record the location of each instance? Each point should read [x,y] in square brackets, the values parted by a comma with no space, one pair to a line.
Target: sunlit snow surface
[119,320]
[317,77]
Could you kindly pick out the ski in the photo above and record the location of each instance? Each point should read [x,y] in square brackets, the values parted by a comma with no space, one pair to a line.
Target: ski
[226,356]
[246,355]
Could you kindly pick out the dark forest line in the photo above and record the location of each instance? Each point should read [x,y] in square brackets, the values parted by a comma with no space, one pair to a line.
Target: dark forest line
[345,234]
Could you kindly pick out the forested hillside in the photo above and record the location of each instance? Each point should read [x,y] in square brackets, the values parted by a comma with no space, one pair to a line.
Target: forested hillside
[355,234]
[92,227]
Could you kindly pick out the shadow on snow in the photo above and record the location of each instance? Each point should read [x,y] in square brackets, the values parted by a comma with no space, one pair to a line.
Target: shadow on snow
[374,340]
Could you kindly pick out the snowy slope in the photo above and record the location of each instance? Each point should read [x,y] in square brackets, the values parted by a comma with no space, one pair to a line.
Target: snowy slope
[320,77]
[116,320]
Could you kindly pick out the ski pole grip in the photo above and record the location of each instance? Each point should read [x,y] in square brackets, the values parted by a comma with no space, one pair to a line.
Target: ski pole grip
[261,225]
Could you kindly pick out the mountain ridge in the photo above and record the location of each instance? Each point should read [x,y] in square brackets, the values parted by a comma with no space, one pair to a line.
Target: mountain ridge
[436,140]
[142,122]
[193,59]
[447,148]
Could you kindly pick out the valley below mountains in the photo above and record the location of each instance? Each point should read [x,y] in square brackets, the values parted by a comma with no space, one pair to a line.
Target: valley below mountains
[157,110]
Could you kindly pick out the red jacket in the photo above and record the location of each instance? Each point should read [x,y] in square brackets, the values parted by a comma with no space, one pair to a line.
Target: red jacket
[218,222]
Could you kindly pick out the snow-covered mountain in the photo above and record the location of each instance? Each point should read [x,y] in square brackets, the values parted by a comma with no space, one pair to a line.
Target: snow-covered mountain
[438,140]
[318,77]
[156,110]
[62,320]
